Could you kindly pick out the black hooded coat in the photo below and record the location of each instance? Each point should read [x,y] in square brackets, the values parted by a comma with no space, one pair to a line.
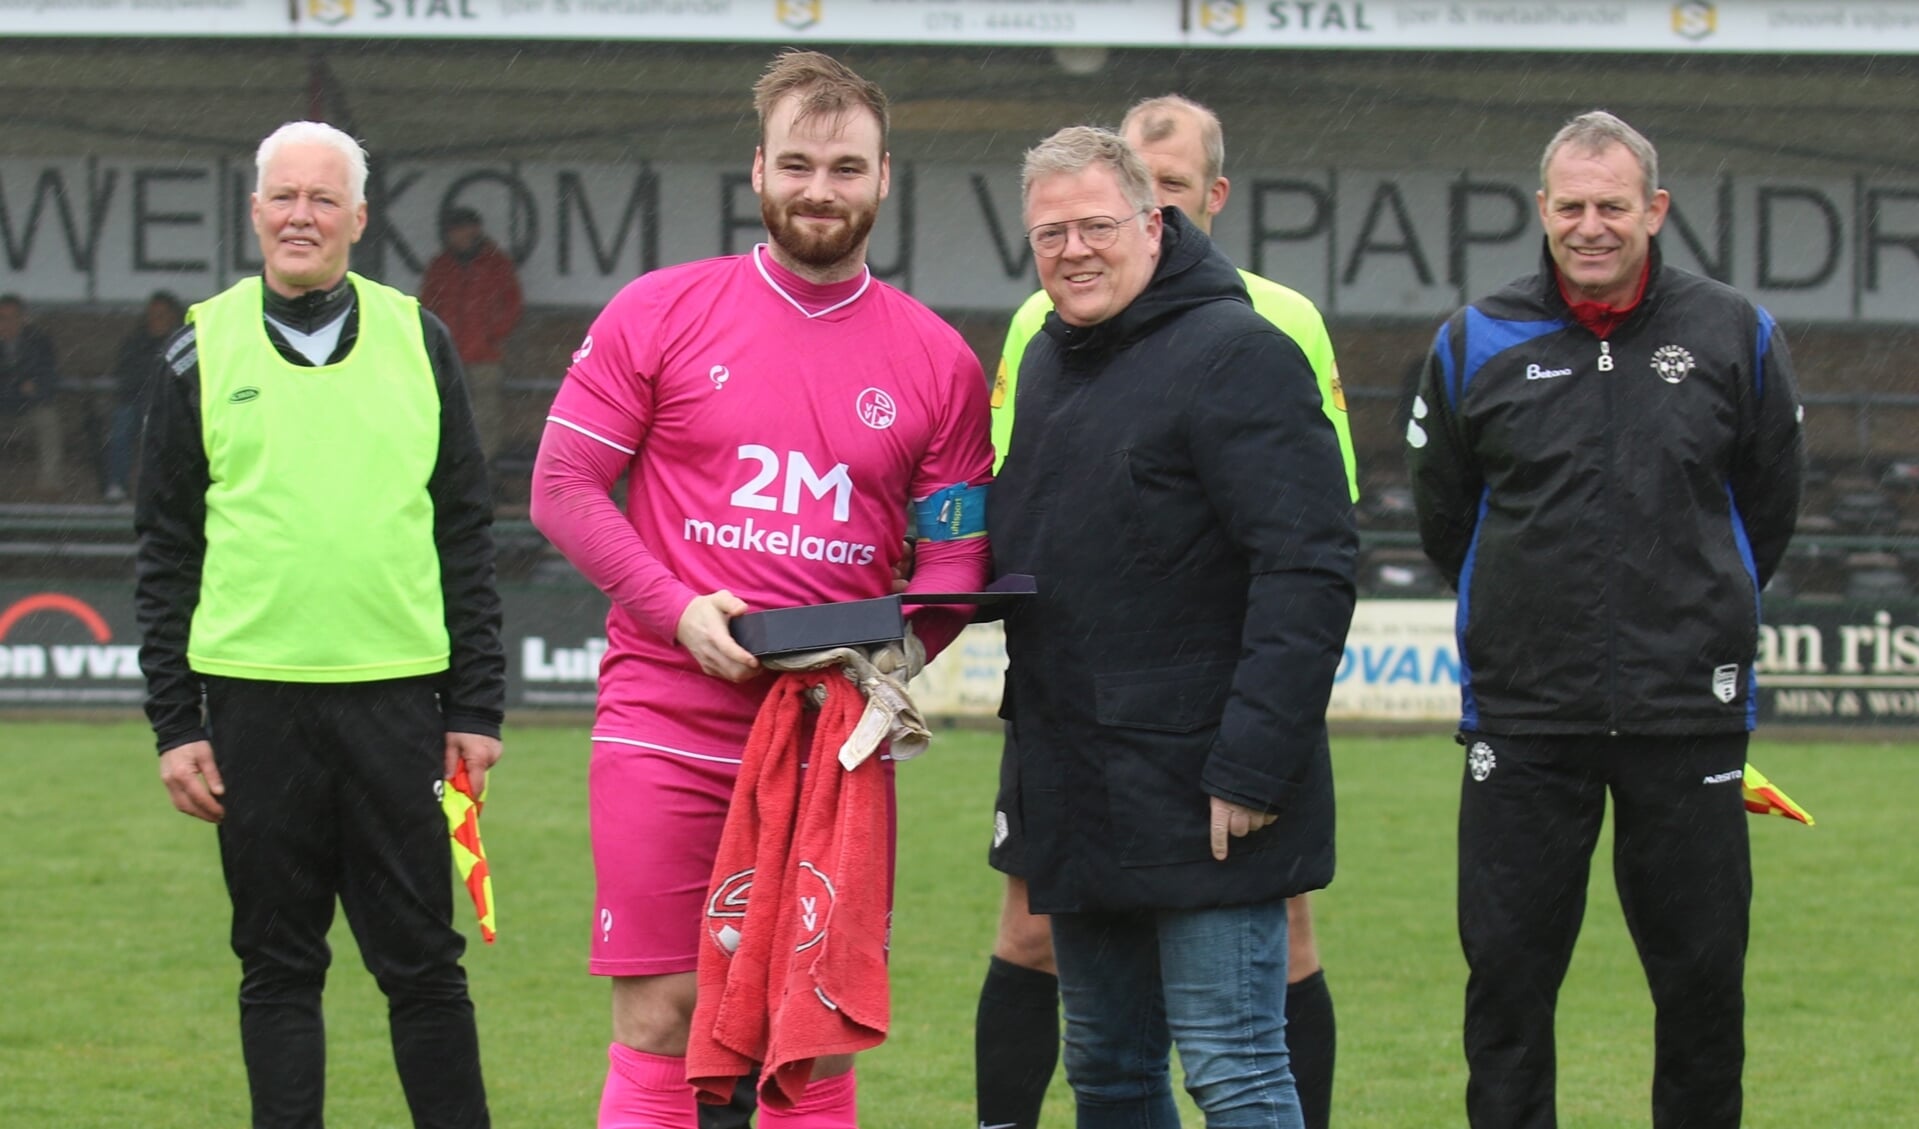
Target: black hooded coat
[1178,494]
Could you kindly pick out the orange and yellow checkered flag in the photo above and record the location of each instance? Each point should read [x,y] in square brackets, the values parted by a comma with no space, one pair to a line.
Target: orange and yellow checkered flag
[1763,797]
[463,824]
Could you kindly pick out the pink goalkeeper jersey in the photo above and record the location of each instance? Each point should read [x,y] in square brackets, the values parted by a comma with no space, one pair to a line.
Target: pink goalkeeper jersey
[777,430]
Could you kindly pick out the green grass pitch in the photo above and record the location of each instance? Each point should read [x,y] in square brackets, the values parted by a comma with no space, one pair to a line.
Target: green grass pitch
[117,989]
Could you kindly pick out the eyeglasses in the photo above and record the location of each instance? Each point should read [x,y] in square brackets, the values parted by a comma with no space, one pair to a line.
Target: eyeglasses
[1097,232]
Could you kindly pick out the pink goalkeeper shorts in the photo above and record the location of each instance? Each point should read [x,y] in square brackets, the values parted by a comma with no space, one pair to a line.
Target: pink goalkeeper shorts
[656,821]
[656,816]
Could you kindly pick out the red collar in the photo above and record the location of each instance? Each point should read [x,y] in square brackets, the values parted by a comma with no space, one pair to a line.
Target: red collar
[1598,317]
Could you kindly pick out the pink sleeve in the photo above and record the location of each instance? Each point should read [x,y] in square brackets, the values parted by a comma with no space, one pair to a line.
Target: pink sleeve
[962,444]
[608,390]
[946,566]
[572,505]
[961,451]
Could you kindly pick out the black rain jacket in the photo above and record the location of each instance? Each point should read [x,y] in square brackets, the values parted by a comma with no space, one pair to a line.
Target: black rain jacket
[1608,511]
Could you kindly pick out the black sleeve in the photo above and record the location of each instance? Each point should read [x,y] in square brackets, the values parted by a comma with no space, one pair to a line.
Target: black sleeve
[473,691]
[1771,458]
[1270,464]
[1446,479]
[170,509]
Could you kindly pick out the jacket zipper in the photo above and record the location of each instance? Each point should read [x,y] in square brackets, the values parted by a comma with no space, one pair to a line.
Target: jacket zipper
[1606,366]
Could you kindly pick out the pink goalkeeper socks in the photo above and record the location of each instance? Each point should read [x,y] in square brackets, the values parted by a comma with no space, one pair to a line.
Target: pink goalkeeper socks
[828,1103]
[646,1091]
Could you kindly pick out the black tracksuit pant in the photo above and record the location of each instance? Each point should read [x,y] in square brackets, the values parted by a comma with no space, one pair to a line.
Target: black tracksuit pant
[332,791]
[1529,816]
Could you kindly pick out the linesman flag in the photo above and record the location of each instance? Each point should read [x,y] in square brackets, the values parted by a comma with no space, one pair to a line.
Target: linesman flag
[463,824]
[1763,797]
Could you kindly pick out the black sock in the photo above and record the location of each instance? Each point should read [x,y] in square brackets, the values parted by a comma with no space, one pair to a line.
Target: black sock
[1311,1040]
[1015,1044]
[736,1114]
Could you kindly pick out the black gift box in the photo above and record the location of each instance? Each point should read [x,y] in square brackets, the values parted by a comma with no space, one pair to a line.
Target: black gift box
[857,623]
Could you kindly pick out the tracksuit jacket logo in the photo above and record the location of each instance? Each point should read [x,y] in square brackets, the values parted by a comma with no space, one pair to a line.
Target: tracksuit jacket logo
[1480,760]
[1672,363]
[1725,682]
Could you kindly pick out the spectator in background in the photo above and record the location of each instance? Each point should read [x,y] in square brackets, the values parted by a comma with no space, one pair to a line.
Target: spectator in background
[140,353]
[29,376]
[472,286]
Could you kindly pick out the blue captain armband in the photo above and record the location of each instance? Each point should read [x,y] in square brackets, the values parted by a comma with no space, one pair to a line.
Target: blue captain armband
[953,514]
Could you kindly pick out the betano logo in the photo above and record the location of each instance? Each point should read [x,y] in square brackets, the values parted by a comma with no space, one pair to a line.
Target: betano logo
[101,659]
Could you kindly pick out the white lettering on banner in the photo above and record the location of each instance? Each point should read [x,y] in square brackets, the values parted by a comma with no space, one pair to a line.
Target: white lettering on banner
[95,661]
[74,662]
[1791,649]
[560,664]
[1887,703]
[1888,649]
[1411,243]
[23,660]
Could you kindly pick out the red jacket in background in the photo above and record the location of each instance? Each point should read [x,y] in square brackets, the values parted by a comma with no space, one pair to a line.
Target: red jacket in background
[478,299]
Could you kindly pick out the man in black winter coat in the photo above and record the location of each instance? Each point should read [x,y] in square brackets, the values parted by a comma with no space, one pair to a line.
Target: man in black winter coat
[1606,461]
[1178,493]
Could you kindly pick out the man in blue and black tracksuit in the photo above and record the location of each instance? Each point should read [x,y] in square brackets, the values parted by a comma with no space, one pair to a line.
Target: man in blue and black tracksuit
[1606,459]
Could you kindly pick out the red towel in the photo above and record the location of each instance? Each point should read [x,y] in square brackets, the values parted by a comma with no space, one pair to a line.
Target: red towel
[795,964]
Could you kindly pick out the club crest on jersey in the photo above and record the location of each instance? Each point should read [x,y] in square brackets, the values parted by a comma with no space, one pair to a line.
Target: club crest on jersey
[876,409]
[813,900]
[1725,681]
[1672,363]
[1480,760]
[725,907]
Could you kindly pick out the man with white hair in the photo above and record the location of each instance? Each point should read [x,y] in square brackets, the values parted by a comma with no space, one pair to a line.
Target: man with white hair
[321,630]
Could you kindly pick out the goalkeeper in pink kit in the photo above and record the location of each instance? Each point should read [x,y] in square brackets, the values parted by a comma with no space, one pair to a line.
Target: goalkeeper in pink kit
[775,417]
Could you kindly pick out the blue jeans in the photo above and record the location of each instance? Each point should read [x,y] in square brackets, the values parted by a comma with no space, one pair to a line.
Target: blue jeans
[1212,982]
